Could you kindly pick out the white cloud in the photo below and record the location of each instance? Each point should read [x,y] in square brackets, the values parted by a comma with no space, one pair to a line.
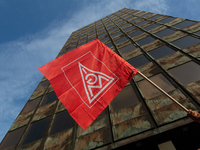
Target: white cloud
[155,6]
[20,59]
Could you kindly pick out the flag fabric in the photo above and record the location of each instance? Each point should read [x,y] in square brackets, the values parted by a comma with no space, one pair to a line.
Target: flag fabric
[87,79]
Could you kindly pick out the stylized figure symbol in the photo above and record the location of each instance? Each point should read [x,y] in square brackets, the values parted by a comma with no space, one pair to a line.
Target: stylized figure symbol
[93,82]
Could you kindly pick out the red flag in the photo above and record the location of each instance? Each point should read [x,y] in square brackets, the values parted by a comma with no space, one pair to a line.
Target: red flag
[87,79]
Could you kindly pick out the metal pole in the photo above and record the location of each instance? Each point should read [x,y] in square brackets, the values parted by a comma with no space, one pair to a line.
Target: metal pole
[163,92]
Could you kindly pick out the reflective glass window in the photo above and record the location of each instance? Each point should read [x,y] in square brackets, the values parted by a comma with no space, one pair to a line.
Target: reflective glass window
[161,52]
[154,17]
[167,20]
[123,25]
[62,122]
[151,27]
[121,40]
[146,15]
[65,47]
[186,42]
[83,39]
[197,32]
[31,105]
[91,39]
[116,34]
[135,33]
[109,44]
[141,23]
[186,73]
[61,53]
[184,24]
[37,131]
[71,49]
[139,13]
[159,80]
[135,20]
[43,85]
[49,98]
[112,30]
[145,41]
[164,32]
[129,28]
[124,99]
[127,48]
[120,22]
[99,31]
[105,39]
[12,138]
[138,61]
[124,16]
[102,34]
[111,26]
[74,43]
[130,18]
[81,44]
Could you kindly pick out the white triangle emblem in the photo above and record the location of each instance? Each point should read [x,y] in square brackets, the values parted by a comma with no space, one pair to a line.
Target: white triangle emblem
[95,83]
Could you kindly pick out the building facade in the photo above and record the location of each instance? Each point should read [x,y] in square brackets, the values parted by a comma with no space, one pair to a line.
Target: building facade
[164,48]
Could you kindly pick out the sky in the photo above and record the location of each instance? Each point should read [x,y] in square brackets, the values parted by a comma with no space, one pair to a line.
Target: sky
[33,32]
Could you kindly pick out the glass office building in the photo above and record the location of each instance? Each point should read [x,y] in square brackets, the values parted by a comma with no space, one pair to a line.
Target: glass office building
[164,48]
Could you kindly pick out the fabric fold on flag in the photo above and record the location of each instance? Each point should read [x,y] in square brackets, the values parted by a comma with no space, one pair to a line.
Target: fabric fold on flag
[87,79]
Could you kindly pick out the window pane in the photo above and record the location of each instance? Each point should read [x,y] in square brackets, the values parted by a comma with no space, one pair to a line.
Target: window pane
[161,52]
[145,41]
[186,42]
[109,44]
[71,49]
[187,73]
[102,34]
[61,53]
[111,26]
[43,85]
[135,20]
[141,23]
[126,98]
[167,20]
[50,97]
[135,33]
[91,39]
[184,24]
[130,18]
[121,40]
[139,13]
[129,28]
[151,27]
[116,34]
[120,22]
[146,15]
[37,131]
[160,80]
[123,25]
[112,30]
[31,105]
[127,48]
[138,61]
[198,33]
[105,39]
[164,32]
[154,17]
[62,122]
[12,138]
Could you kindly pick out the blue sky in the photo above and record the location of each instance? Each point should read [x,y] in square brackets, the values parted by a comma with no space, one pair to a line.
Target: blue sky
[33,32]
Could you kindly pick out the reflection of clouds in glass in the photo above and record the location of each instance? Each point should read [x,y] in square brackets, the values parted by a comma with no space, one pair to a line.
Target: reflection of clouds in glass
[186,73]
[149,91]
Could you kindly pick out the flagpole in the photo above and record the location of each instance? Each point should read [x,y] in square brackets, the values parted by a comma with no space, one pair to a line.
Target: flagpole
[163,92]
